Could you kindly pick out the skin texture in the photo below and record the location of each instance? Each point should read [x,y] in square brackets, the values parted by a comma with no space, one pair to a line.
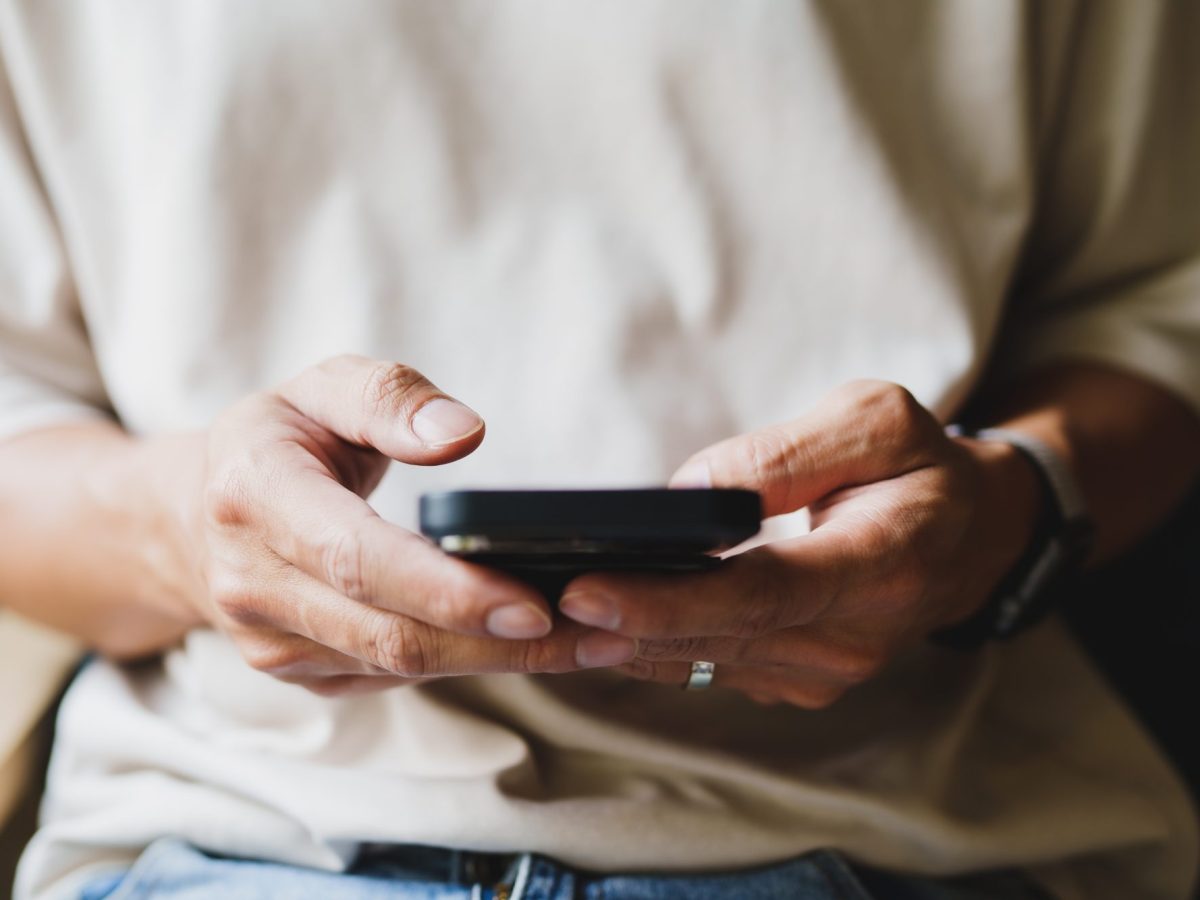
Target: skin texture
[260,527]
[911,530]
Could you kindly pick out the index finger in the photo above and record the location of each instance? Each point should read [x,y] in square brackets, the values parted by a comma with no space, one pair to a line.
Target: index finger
[314,522]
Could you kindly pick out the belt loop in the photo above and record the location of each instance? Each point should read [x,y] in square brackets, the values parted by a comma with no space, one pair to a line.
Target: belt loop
[459,863]
[521,879]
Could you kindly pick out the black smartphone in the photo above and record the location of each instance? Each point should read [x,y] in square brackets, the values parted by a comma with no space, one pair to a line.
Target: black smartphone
[547,537]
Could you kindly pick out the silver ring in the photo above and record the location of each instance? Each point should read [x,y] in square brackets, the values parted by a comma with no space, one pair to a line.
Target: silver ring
[701,676]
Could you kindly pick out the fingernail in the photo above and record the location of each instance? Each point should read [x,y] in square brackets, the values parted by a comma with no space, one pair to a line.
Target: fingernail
[601,649]
[518,621]
[444,421]
[591,609]
[695,474]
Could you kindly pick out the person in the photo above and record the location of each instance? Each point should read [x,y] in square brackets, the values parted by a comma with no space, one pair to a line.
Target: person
[252,254]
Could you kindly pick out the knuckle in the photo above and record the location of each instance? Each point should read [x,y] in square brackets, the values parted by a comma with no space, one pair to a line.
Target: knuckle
[764,453]
[397,647]
[227,501]
[895,406]
[762,612]
[672,649]
[239,480]
[236,600]
[345,566]
[389,385]
[276,658]
[861,391]
[752,620]
[542,656]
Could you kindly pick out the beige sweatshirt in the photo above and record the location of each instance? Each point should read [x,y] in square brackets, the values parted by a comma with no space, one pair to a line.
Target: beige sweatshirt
[620,231]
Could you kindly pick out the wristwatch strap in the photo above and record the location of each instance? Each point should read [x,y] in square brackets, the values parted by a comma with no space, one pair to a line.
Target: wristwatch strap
[1063,488]
[1062,541]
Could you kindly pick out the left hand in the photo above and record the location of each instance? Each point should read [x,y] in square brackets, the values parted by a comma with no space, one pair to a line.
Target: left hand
[911,531]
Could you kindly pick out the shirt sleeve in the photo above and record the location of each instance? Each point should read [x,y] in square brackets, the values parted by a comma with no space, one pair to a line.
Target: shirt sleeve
[1112,268]
[48,372]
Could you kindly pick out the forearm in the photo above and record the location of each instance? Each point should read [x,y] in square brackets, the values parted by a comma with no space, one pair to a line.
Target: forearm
[92,536]
[1134,447]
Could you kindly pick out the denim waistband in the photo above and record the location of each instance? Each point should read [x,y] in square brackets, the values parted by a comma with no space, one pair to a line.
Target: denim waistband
[465,867]
[170,868]
[820,874]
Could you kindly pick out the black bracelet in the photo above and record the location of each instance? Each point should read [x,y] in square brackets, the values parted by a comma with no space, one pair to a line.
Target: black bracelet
[1062,539]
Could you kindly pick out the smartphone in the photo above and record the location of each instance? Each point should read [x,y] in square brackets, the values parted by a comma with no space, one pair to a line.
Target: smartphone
[547,537]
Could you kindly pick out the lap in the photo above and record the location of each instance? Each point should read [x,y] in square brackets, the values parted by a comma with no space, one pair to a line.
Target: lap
[173,870]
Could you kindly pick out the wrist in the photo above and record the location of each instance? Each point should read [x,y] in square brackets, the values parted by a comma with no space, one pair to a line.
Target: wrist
[1010,497]
[140,490]
[1061,542]
[172,469]
[87,541]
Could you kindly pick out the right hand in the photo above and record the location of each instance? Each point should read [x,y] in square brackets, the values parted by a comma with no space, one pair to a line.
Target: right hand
[314,587]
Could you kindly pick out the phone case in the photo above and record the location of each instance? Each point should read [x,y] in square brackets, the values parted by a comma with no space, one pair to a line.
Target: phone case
[547,537]
[686,518]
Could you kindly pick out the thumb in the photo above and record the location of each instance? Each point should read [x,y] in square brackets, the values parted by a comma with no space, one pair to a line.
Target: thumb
[860,433]
[388,406]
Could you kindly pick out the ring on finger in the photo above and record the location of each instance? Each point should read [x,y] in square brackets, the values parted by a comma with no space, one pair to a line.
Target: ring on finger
[700,676]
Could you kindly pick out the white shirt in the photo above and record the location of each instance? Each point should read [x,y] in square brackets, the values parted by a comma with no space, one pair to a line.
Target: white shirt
[621,232]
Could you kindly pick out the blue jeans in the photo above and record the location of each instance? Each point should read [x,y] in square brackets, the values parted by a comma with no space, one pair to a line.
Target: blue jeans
[172,869]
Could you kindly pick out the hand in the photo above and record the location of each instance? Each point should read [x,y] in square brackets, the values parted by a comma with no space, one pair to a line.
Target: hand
[316,588]
[910,531]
